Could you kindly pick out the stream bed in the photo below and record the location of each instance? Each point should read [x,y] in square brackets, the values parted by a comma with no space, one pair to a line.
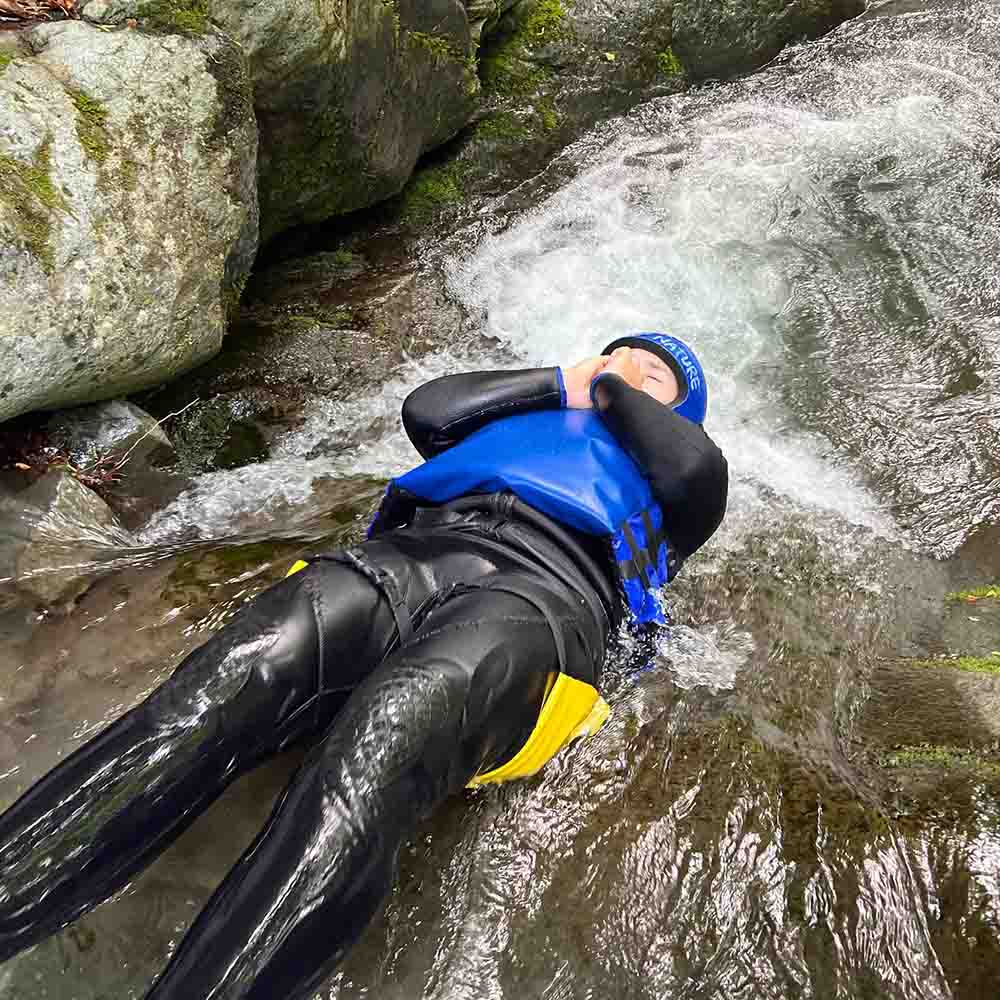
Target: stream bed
[788,801]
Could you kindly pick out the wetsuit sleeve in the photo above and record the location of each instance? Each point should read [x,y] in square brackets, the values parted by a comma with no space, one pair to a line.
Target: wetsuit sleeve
[441,413]
[687,471]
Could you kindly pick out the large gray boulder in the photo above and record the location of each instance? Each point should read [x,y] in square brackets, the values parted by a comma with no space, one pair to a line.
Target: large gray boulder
[348,96]
[722,38]
[348,93]
[128,217]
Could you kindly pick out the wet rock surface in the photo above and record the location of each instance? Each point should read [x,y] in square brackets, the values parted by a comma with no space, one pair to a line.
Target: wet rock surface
[718,39]
[54,535]
[111,432]
[332,326]
[801,795]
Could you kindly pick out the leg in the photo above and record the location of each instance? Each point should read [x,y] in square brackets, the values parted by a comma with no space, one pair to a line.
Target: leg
[462,695]
[82,832]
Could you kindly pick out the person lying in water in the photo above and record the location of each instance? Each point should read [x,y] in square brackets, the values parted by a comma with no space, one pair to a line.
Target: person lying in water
[461,644]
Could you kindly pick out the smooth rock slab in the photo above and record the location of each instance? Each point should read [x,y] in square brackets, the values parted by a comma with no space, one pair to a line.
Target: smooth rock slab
[54,537]
[128,215]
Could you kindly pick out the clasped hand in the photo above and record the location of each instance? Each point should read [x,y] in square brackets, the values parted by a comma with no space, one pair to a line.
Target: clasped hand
[578,378]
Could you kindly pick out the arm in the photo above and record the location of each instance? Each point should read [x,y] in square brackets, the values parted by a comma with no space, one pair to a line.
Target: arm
[687,471]
[442,412]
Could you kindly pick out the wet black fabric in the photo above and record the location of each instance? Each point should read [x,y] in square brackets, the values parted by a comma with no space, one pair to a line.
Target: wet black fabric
[494,606]
[445,410]
[687,472]
[408,665]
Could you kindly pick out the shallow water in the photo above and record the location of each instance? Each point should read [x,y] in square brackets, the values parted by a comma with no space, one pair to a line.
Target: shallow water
[827,232]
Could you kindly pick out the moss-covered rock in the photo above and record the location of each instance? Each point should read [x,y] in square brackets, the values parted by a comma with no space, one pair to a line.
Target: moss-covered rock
[720,38]
[127,209]
[349,100]
[186,16]
[989,592]
[91,126]
[30,197]
[950,702]
[550,69]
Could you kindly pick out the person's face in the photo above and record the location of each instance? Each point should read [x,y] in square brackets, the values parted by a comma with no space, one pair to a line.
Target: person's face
[658,380]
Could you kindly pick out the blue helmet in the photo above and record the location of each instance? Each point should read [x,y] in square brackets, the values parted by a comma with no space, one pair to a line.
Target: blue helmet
[693,400]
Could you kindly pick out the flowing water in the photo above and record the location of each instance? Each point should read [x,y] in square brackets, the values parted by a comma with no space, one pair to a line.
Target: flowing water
[827,233]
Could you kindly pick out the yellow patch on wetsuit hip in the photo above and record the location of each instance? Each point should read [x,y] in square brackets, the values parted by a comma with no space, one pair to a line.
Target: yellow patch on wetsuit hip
[296,566]
[572,709]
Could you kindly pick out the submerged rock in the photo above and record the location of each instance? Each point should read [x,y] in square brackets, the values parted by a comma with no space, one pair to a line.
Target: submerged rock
[127,449]
[54,536]
[128,218]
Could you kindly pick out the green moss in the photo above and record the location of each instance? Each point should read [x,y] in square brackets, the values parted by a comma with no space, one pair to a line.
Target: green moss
[31,194]
[299,321]
[545,22]
[5,60]
[440,48]
[506,71]
[941,757]
[186,16]
[991,592]
[505,126]
[91,125]
[430,190]
[505,74]
[393,12]
[347,260]
[315,183]
[547,115]
[970,664]
[39,177]
[344,317]
[667,63]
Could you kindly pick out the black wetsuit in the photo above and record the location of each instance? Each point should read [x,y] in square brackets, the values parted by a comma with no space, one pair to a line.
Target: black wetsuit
[409,663]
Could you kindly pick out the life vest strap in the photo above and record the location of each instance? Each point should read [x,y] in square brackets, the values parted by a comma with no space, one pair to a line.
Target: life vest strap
[380,578]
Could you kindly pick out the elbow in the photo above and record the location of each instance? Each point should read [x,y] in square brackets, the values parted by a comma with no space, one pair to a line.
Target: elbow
[418,423]
[693,518]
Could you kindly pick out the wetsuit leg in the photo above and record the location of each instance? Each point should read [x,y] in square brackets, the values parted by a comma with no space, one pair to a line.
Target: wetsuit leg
[278,672]
[461,696]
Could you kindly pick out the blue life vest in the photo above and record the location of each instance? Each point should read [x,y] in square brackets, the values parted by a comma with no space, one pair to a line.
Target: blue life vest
[568,465]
